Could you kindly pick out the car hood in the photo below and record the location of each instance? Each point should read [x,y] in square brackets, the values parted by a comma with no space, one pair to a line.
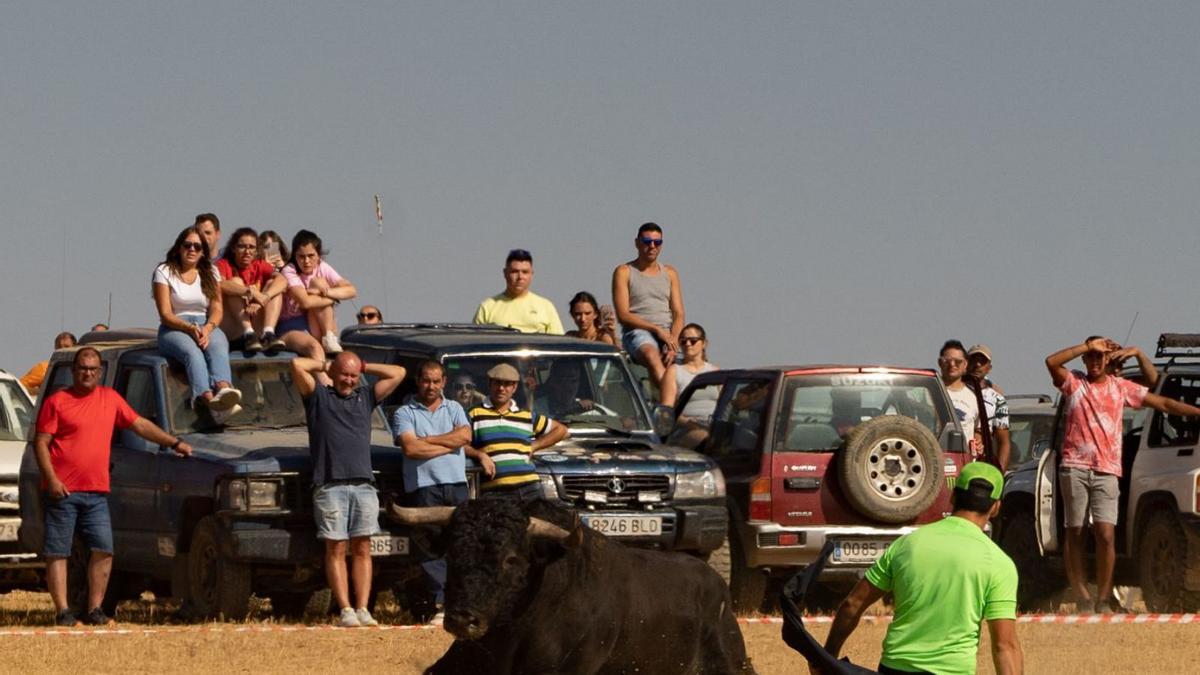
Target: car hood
[270,450]
[613,455]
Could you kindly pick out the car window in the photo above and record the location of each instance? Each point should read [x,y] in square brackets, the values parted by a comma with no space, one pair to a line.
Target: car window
[739,422]
[1025,431]
[820,410]
[694,421]
[137,386]
[1173,430]
[580,391]
[14,427]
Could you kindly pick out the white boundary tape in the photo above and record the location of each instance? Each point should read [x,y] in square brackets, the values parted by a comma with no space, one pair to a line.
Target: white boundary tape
[1068,619]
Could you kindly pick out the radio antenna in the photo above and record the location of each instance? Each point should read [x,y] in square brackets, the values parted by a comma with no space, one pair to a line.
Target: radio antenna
[1131,325]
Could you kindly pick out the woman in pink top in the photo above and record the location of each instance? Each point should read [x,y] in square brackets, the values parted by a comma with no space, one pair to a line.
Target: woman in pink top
[314,288]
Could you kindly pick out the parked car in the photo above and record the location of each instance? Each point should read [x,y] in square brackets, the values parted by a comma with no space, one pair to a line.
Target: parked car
[612,469]
[856,455]
[18,569]
[1158,528]
[233,519]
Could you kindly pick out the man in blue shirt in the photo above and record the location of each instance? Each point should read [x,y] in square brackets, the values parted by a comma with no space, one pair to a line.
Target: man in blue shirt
[432,431]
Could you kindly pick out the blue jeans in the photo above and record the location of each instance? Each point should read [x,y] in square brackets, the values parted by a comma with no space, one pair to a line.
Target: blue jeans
[205,368]
[88,511]
[451,494]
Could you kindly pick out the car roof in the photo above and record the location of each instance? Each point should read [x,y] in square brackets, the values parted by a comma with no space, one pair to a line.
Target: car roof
[464,337]
[123,340]
[833,368]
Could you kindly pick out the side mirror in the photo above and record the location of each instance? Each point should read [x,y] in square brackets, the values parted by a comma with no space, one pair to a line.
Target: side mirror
[1040,447]
[664,420]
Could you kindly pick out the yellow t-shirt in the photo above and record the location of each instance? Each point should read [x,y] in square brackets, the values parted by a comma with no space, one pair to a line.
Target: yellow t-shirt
[529,313]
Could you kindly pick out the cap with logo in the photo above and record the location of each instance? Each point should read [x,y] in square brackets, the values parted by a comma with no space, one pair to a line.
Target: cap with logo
[981,471]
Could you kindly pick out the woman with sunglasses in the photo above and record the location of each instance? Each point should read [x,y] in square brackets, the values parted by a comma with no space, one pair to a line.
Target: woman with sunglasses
[188,299]
[252,294]
[592,324]
[694,343]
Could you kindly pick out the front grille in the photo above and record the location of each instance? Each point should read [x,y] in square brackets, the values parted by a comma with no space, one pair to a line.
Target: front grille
[574,486]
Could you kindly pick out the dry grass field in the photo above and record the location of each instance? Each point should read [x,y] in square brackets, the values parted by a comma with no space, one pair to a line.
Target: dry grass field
[147,642]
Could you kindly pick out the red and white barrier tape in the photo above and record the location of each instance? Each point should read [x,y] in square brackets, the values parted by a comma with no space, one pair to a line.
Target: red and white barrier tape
[1024,618]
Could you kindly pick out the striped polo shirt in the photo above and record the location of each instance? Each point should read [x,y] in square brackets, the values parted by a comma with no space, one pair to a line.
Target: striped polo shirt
[507,438]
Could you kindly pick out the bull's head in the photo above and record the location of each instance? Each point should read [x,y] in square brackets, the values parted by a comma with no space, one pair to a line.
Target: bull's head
[495,552]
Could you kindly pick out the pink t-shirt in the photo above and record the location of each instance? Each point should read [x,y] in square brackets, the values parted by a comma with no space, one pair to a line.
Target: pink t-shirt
[1092,439]
[295,279]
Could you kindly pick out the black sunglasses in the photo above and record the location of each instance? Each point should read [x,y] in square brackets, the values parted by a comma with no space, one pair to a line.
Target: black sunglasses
[192,246]
[648,241]
[368,315]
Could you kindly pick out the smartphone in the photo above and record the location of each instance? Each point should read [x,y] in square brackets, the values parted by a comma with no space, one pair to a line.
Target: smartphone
[271,252]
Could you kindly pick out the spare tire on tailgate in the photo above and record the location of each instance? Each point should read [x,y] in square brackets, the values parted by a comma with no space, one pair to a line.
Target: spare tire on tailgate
[891,468]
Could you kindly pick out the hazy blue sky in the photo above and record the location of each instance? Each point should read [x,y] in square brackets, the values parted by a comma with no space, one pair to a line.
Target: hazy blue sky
[836,181]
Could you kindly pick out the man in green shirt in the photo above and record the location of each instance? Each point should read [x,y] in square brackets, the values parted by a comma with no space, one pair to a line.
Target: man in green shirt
[946,578]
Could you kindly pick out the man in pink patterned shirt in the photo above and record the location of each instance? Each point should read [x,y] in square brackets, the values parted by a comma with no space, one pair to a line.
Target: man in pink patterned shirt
[1091,455]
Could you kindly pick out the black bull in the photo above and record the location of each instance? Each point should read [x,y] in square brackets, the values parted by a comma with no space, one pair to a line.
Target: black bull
[531,590]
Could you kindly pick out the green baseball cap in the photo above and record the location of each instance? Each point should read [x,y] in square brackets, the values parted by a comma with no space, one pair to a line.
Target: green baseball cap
[983,471]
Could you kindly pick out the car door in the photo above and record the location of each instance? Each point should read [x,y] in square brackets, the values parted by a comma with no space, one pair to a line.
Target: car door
[1169,445]
[134,472]
[737,435]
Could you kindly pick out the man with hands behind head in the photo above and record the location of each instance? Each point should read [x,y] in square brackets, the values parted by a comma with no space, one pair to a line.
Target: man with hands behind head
[1091,454]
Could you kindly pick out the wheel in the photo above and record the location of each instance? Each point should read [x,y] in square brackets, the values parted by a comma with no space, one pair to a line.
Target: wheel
[747,585]
[316,604]
[891,469]
[1036,582]
[77,582]
[218,587]
[1163,565]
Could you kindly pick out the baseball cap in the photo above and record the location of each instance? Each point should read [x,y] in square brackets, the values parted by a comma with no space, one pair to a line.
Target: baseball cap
[981,471]
[980,349]
[504,372]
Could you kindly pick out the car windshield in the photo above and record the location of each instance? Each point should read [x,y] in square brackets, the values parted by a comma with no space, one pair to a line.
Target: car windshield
[15,424]
[580,391]
[819,410]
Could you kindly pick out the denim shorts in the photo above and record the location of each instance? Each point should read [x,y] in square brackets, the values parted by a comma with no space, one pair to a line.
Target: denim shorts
[633,339]
[88,510]
[346,511]
[298,322]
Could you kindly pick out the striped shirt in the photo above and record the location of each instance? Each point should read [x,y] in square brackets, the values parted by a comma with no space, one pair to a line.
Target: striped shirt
[507,438]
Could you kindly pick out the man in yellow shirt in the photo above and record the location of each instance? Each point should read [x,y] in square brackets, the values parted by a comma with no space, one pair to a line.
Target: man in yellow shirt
[518,307]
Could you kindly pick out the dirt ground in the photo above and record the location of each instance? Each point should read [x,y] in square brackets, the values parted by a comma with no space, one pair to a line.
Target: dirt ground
[146,642]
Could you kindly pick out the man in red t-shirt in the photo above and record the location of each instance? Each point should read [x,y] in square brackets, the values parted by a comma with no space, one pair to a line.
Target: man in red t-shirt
[73,441]
[1091,455]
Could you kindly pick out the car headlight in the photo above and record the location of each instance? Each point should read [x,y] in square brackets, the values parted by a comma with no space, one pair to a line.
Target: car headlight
[700,484]
[549,487]
[247,495]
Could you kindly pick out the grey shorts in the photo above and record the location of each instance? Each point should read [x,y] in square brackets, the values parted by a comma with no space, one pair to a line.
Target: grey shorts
[1085,491]
[346,511]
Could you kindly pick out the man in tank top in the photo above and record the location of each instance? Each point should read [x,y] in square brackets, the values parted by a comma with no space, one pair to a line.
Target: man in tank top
[649,304]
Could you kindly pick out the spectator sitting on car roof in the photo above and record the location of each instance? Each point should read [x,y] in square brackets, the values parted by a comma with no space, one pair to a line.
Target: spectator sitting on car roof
[314,289]
[99,326]
[209,227]
[369,315]
[32,380]
[188,300]
[979,366]
[272,249]
[649,304]
[252,293]
[591,322]
[518,307]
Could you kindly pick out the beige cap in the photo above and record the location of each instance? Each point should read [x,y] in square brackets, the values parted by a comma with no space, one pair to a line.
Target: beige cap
[504,372]
[980,349]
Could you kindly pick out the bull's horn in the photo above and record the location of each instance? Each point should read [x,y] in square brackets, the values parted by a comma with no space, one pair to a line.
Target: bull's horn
[423,515]
[541,528]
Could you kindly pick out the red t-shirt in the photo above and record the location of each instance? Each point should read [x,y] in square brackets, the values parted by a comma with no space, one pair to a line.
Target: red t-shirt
[254,275]
[81,429]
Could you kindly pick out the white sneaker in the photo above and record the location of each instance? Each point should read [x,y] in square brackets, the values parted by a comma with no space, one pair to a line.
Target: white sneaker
[331,344]
[225,399]
[222,416]
[348,618]
[365,618]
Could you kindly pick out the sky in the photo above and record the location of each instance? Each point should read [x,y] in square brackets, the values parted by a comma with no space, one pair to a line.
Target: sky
[837,182]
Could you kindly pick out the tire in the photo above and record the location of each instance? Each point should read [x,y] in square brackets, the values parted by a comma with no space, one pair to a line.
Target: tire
[747,585]
[77,582]
[217,586]
[891,469]
[316,604]
[1036,582]
[1163,565]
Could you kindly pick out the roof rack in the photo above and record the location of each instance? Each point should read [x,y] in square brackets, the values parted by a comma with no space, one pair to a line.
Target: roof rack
[117,335]
[1178,344]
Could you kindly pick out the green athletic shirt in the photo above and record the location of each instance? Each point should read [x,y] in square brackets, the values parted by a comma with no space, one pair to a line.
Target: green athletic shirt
[946,577]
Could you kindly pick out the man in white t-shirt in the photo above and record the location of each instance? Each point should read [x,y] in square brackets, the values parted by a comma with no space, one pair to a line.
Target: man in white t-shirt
[952,361]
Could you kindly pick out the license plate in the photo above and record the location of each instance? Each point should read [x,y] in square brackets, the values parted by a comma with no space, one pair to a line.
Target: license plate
[386,544]
[8,529]
[858,551]
[625,526]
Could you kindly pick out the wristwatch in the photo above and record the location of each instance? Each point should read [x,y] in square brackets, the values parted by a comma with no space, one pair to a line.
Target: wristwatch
[175,445]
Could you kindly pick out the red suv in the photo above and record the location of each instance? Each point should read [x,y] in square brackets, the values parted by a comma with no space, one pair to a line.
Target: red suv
[854,454]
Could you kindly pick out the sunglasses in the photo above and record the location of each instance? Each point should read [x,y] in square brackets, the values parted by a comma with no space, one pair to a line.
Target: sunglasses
[192,246]
[647,241]
[954,362]
[690,340]
[463,386]
[367,315]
